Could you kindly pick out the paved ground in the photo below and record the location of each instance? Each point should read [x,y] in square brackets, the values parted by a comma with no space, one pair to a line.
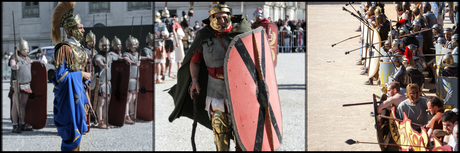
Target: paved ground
[138,137]
[333,80]
[290,76]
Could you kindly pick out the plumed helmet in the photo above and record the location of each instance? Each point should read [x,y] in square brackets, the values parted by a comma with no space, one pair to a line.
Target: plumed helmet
[165,13]
[454,37]
[149,38]
[258,14]
[397,44]
[23,47]
[103,41]
[131,43]
[400,76]
[448,60]
[157,17]
[115,42]
[63,17]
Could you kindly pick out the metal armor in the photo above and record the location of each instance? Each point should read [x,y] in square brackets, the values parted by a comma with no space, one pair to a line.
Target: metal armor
[221,129]
[134,72]
[214,55]
[25,75]
[447,60]
[76,60]
[101,73]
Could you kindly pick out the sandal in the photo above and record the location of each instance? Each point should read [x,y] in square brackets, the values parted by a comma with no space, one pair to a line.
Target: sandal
[160,81]
[173,76]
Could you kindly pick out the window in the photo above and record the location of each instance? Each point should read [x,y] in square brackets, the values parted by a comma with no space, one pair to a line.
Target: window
[139,6]
[99,7]
[30,10]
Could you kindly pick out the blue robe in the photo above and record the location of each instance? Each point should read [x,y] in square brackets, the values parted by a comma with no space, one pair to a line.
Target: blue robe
[69,111]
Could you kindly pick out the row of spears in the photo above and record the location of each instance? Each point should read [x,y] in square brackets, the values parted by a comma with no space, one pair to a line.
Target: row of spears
[387,61]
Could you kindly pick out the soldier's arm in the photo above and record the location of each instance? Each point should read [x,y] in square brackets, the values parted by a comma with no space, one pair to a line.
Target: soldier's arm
[99,63]
[195,71]
[12,64]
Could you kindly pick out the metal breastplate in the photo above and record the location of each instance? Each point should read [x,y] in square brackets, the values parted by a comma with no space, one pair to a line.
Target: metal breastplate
[97,69]
[213,52]
[78,57]
[25,75]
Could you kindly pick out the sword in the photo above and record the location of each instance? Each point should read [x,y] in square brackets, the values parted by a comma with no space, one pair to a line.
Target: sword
[195,114]
[263,92]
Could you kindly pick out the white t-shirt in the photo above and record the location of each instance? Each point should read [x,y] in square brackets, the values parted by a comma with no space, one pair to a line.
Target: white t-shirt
[453,142]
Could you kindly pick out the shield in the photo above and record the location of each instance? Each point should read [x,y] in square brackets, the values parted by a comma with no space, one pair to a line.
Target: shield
[446,89]
[366,40]
[386,69]
[375,52]
[36,104]
[438,51]
[145,94]
[272,33]
[382,126]
[120,81]
[362,38]
[248,112]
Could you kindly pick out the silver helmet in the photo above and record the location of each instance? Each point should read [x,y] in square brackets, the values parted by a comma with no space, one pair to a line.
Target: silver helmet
[397,44]
[104,41]
[23,47]
[416,25]
[454,37]
[258,14]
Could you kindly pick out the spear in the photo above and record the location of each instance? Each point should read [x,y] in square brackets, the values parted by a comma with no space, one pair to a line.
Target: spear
[17,74]
[346,40]
[106,84]
[351,141]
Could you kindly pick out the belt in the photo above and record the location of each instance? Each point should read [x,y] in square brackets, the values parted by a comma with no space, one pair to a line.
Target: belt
[216,73]
[105,83]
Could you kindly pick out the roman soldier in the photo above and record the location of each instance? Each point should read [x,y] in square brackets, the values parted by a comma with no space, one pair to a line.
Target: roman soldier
[148,50]
[116,47]
[102,71]
[203,68]
[20,75]
[70,79]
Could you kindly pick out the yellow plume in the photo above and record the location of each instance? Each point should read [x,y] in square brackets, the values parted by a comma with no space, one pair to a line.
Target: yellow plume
[59,11]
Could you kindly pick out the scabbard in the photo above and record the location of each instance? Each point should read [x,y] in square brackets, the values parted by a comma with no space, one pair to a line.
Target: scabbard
[195,112]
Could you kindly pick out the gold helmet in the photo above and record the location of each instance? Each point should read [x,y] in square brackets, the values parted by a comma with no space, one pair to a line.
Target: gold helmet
[23,47]
[413,88]
[63,17]
[447,60]
[90,38]
[149,38]
[131,43]
[103,41]
[371,11]
[218,8]
[115,42]
[157,17]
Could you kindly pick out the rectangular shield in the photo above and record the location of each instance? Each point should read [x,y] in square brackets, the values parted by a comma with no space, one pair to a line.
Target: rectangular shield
[272,33]
[145,101]
[120,82]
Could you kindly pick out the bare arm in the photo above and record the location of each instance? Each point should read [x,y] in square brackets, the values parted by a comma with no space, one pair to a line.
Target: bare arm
[385,104]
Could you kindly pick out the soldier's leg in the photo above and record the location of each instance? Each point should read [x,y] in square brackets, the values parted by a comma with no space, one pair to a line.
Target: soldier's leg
[14,115]
[22,106]
[132,106]
[128,103]
[220,125]
[100,112]
[106,112]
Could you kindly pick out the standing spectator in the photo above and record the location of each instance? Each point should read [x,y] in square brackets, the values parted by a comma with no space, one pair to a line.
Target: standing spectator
[285,31]
[40,56]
